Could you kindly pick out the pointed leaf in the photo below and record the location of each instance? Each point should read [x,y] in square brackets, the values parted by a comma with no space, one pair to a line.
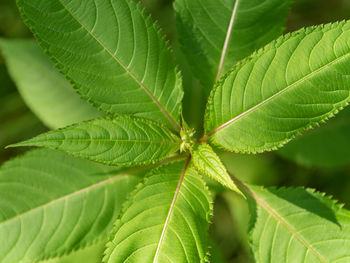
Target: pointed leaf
[324,147]
[118,141]
[289,86]
[52,204]
[208,162]
[215,35]
[112,52]
[46,92]
[166,219]
[298,225]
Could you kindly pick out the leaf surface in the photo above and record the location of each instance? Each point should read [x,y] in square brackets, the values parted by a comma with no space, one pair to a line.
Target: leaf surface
[46,92]
[215,35]
[298,225]
[118,141]
[89,254]
[52,204]
[324,147]
[207,162]
[292,84]
[112,52]
[166,219]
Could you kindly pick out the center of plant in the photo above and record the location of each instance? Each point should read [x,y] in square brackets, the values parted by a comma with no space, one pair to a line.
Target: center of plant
[186,135]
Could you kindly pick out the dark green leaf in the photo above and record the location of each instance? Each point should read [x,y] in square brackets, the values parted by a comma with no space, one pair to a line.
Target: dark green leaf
[215,35]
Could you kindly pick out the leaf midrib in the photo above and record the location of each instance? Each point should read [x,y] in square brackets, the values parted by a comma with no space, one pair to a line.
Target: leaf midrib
[101,140]
[227,40]
[171,209]
[278,218]
[164,111]
[276,94]
[64,197]
[289,228]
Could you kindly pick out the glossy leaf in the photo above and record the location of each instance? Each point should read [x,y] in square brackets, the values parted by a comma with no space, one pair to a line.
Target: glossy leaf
[298,225]
[282,90]
[215,35]
[118,141]
[46,92]
[324,147]
[207,162]
[112,52]
[52,204]
[165,220]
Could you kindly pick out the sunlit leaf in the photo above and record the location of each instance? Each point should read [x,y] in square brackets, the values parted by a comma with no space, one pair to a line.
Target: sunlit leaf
[298,225]
[166,219]
[52,204]
[208,162]
[118,141]
[281,90]
[112,52]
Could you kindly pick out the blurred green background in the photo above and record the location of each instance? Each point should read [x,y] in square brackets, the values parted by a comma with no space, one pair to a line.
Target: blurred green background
[230,222]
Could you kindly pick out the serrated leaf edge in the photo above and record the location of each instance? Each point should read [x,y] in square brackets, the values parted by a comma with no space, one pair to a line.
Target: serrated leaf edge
[210,136]
[335,206]
[177,140]
[59,67]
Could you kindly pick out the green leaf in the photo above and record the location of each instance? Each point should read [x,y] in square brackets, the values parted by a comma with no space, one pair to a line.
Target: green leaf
[89,254]
[215,35]
[215,254]
[11,128]
[43,88]
[119,141]
[52,204]
[289,86]
[112,52]
[325,147]
[298,225]
[208,162]
[166,219]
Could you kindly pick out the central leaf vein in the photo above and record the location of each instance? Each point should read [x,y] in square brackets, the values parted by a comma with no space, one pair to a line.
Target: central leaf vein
[164,111]
[276,94]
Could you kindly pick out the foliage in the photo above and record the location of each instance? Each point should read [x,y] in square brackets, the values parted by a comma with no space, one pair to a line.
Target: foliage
[127,126]
[27,64]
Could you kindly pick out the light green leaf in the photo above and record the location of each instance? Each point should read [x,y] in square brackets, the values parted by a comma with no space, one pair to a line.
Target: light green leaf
[43,88]
[289,86]
[112,52]
[215,35]
[89,254]
[298,225]
[166,219]
[119,141]
[324,147]
[208,162]
[52,204]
